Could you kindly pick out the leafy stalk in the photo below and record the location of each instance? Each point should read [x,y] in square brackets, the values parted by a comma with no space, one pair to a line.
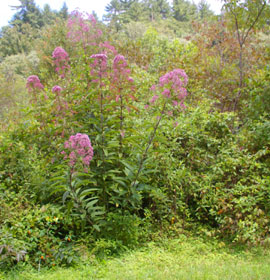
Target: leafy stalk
[150,140]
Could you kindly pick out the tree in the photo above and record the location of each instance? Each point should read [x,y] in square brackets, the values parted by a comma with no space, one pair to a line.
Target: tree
[27,12]
[126,4]
[135,13]
[157,9]
[48,15]
[113,9]
[183,10]
[16,39]
[245,16]
[204,11]
[63,13]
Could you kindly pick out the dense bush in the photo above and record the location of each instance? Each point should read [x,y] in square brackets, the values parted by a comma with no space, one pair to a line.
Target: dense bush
[40,235]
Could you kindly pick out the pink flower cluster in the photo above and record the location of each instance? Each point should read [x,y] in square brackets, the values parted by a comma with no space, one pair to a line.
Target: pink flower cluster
[61,59]
[79,147]
[173,86]
[120,75]
[119,62]
[56,89]
[177,77]
[33,83]
[108,48]
[120,69]
[60,53]
[83,28]
[120,79]
[99,65]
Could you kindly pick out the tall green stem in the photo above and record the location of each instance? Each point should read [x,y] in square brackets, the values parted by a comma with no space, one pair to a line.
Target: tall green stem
[121,122]
[75,198]
[150,140]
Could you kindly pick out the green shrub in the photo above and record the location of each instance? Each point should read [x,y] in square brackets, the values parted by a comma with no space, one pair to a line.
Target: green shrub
[39,235]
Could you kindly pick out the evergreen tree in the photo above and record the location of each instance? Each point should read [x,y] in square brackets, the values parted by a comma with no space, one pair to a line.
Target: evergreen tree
[136,12]
[63,13]
[113,10]
[183,10]
[16,39]
[48,15]
[27,12]
[124,11]
[204,11]
[157,9]
[126,4]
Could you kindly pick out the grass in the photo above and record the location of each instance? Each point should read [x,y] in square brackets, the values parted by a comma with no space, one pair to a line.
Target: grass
[181,258]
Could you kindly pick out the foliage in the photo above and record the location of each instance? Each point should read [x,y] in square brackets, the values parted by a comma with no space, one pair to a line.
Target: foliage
[246,16]
[184,10]
[27,12]
[16,39]
[25,26]
[171,259]
[214,180]
[40,235]
[259,90]
[122,136]
[218,56]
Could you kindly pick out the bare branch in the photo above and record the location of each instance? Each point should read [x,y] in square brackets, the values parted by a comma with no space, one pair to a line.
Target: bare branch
[255,21]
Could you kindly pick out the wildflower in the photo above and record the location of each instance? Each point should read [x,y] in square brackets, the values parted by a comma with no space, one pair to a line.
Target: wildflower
[183,106]
[80,147]
[60,54]
[172,86]
[121,82]
[166,92]
[153,87]
[176,80]
[33,83]
[108,48]
[61,59]
[83,28]
[120,74]
[100,56]
[120,71]
[177,77]
[154,98]
[99,66]
[56,89]
[146,106]
[119,62]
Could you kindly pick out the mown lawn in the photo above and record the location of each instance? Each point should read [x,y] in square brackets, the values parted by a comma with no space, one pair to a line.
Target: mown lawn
[182,258]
